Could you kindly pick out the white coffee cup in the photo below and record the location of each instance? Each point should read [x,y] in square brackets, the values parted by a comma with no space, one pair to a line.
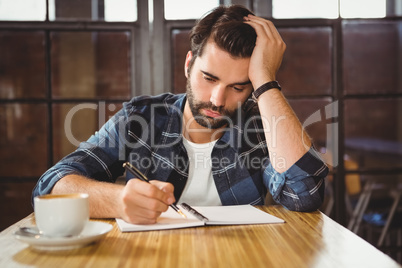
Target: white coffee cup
[61,215]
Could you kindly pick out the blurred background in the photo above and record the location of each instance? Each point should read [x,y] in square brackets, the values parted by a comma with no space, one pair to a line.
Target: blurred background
[66,66]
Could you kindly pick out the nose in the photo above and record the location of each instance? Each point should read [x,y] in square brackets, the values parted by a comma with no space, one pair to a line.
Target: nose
[218,96]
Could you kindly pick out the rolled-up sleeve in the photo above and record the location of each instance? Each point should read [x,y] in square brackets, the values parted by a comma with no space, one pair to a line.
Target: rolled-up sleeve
[301,187]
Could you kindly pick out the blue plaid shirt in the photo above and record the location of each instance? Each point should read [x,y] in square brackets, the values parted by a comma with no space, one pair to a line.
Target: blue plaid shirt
[147,132]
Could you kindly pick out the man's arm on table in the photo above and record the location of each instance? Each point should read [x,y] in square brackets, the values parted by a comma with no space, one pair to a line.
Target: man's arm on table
[136,202]
[93,168]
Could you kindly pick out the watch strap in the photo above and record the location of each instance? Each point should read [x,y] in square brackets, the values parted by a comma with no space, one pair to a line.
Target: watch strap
[265,87]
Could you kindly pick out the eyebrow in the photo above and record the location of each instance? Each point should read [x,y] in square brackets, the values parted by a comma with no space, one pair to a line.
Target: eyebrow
[217,78]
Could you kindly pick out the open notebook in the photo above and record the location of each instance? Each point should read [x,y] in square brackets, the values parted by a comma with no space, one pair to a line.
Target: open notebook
[216,215]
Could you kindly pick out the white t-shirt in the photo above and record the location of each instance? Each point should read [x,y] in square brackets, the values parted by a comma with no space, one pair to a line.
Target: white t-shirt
[200,189]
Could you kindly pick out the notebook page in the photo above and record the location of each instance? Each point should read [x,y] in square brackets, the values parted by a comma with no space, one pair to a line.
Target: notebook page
[168,220]
[241,214]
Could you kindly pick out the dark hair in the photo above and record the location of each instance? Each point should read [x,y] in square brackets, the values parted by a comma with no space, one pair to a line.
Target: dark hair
[226,27]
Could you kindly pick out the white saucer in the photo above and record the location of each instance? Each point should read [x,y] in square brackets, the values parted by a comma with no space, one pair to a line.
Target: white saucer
[92,232]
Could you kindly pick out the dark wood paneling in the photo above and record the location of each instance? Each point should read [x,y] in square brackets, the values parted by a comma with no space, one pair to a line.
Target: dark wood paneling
[372,132]
[23,139]
[22,65]
[180,46]
[15,202]
[307,64]
[90,65]
[371,57]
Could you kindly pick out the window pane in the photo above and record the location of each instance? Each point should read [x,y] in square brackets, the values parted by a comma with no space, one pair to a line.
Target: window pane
[188,9]
[180,47]
[23,139]
[283,9]
[74,123]
[121,10]
[307,64]
[373,132]
[91,64]
[376,68]
[22,65]
[108,10]
[23,10]
[354,8]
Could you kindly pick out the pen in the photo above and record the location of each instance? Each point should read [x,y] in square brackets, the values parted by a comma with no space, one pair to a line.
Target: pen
[133,170]
[194,212]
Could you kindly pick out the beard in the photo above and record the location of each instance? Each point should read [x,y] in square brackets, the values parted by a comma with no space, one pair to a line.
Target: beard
[226,117]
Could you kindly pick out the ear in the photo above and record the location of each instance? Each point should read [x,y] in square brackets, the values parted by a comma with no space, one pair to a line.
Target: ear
[187,63]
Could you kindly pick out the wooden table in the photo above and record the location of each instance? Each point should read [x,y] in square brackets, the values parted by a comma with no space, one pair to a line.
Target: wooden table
[305,240]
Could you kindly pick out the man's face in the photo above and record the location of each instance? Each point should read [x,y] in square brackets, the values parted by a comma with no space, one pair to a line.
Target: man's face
[217,86]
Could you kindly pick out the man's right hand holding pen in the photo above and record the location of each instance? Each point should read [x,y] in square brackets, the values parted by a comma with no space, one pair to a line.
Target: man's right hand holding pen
[136,202]
[143,202]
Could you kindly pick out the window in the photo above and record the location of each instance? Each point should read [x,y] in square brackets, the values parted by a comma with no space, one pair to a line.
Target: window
[285,9]
[188,9]
[23,10]
[72,66]
[96,10]
[46,72]
[120,10]
[372,8]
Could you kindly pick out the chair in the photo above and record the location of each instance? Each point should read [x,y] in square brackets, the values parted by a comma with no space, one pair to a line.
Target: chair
[376,196]
[380,198]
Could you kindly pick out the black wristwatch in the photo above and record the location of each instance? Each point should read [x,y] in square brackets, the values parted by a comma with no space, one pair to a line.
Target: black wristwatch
[265,87]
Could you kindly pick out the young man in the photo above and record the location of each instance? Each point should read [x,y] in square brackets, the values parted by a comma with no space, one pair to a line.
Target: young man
[210,146]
